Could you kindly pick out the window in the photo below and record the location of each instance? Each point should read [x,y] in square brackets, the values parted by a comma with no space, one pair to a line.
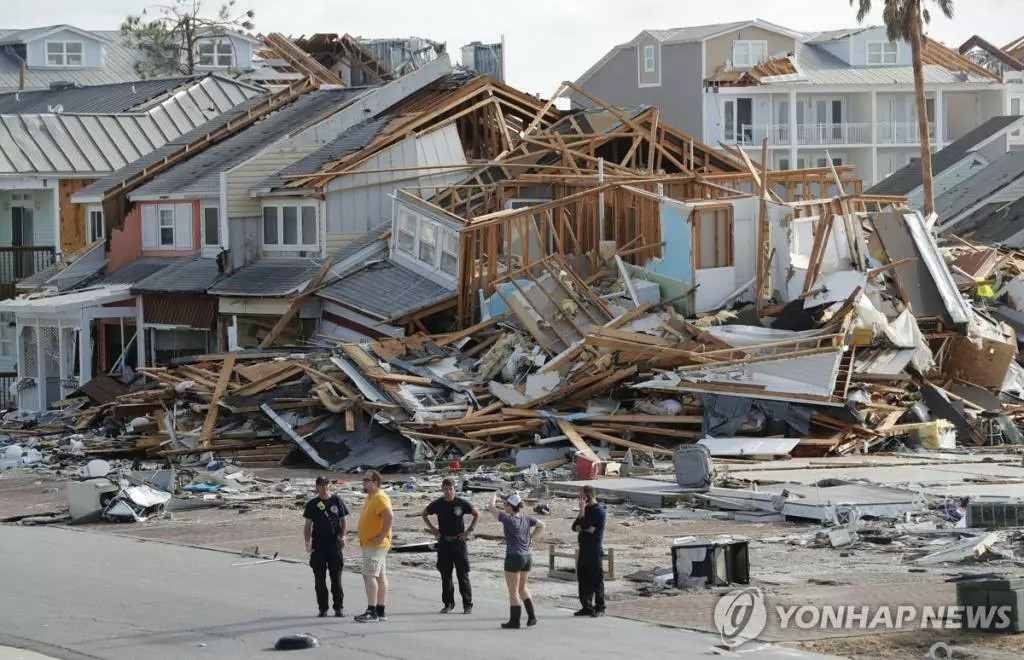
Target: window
[211,226]
[167,228]
[406,231]
[746,54]
[648,59]
[783,163]
[428,242]
[219,54]
[64,53]
[712,228]
[94,223]
[290,226]
[883,52]
[450,252]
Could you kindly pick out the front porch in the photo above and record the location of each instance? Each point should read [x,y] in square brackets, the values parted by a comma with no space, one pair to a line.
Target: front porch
[28,231]
[58,341]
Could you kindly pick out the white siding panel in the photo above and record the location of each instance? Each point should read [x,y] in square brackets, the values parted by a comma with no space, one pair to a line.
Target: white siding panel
[183,227]
[150,232]
[247,175]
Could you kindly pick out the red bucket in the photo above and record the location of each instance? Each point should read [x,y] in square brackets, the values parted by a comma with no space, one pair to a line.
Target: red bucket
[454,466]
[587,469]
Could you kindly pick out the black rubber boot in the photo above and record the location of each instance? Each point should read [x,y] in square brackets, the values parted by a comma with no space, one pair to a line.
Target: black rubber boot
[531,618]
[515,612]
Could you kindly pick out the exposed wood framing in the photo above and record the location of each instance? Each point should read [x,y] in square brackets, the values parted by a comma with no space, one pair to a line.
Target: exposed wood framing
[73,230]
[300,60]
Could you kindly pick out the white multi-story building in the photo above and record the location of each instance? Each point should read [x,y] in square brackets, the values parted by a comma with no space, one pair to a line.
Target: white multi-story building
[847,92]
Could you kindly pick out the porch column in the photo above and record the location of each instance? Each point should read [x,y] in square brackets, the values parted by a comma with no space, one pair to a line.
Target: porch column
[940,122]
[41,375]
[61,352]
[56,219]
[85,348]
[140,333]
[874,137]
[793,138]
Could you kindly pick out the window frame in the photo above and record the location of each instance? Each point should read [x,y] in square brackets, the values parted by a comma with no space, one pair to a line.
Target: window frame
[90,228]
[750,61]
[65,56]
[650,59]
[722,222]
[215,43]
[216,219]
[883,51]
[443,238]
[280,245]
[160,227]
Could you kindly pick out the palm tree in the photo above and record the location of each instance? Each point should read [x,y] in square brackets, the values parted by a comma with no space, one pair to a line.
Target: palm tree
[905,19]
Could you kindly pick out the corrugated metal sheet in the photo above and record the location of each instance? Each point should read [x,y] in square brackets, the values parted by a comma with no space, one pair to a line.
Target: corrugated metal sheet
[183,275]
[184,310]
[120,97]
[386,290]
[131,273]
[200,175]
[349,142]
[997,176]
[819,67]
[267,277]
[89,145]
[903,181]
[118,64]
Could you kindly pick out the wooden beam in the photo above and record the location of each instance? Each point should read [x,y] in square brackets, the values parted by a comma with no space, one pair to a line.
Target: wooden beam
[226,368]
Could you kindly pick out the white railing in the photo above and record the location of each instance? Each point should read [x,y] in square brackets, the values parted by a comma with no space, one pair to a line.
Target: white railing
[755,135]
[906,132]
[845,133]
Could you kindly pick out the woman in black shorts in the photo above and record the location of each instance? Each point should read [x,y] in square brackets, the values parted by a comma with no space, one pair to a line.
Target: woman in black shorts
[520,531]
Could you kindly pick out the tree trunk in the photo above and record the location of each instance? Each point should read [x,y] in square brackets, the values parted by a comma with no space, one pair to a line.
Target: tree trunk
[190,46]
[916,39]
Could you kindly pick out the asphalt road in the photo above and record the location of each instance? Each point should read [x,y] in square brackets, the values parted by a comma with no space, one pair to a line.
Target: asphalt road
[78,594]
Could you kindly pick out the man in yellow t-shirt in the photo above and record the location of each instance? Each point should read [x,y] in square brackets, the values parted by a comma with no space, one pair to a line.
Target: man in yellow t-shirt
[375,523]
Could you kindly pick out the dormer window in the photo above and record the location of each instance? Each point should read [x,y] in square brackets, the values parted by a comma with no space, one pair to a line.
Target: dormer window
[218,54]
[746,54]
[883,52]
[64,53]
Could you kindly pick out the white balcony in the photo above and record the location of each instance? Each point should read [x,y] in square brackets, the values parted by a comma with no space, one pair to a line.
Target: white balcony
[832,134]
[906,132]
[755,135]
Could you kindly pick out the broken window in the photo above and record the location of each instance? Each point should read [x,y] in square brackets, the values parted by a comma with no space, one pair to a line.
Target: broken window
[712,240]
[406,231]
[449,252]
[428,242]
[218,54]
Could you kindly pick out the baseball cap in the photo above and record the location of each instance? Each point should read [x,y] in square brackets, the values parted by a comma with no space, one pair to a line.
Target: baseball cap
[322,481]
[514,499]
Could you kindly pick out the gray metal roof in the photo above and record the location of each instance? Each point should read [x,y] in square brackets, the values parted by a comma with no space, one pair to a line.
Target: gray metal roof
[200,175]
[267,277]
[118,62]
[819,67]
[130,273]
[349,142]
[386,290]
[119,97]
[89,145]
[834,35]
[94,192]
[980,186]
[993,223]
[906,180]
[183,275]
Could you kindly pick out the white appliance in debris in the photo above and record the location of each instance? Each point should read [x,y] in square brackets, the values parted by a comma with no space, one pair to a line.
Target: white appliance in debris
[88,498]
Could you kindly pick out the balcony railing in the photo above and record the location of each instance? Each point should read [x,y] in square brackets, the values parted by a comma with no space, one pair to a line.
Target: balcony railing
[906,132]
[17,263]
[755,135]
[845,133]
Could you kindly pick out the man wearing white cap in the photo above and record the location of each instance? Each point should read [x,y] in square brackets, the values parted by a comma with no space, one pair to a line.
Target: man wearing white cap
[520,531]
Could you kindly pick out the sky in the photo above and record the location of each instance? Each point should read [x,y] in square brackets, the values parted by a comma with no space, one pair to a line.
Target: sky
[546,42]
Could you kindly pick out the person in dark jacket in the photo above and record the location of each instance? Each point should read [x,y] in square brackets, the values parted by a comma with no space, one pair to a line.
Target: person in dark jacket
[325,539]
[452,551]
[589,526]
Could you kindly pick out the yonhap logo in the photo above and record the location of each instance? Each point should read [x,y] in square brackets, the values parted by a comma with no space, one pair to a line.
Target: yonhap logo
[740,616]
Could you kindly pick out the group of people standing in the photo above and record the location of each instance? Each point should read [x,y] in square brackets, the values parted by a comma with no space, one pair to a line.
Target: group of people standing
[326,533]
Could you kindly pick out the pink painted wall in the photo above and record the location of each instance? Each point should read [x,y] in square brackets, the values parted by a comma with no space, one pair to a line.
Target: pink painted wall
[126,243]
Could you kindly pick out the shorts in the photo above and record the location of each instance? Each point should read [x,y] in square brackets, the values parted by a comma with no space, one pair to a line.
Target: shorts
[518,563]
[374,560]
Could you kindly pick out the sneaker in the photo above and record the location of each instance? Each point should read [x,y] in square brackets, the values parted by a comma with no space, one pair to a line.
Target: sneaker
[447,609]
[339,613]
[322,614]
[597,613]
[467,609]
[583,612]
[367,617]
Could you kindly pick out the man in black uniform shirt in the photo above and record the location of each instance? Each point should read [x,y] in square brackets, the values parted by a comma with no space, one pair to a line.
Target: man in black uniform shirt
[589,524]
[325,539]
[451,535]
